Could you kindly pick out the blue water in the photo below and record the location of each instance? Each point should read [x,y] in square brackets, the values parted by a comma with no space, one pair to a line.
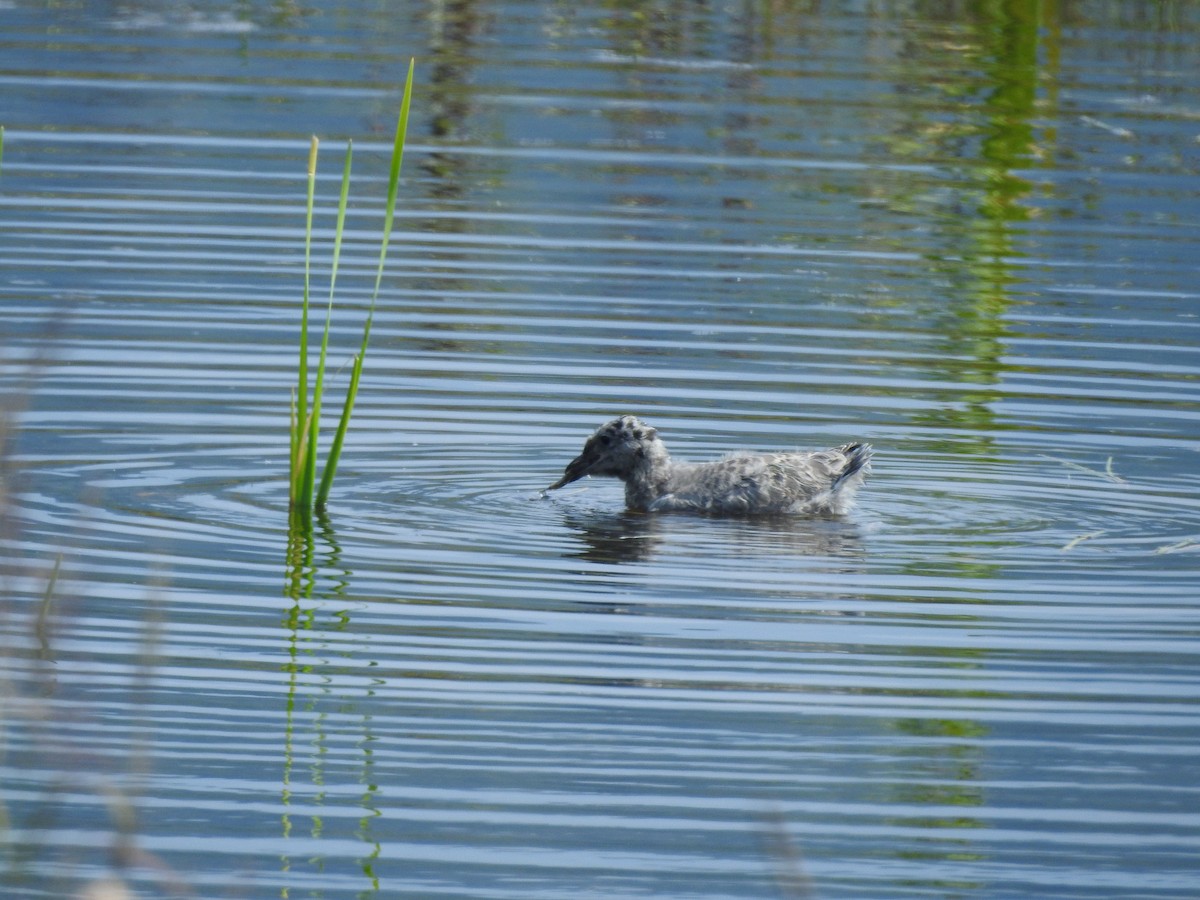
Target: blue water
[968,238]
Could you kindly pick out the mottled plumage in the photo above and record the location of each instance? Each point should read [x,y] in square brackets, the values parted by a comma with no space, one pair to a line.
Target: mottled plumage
[824,481]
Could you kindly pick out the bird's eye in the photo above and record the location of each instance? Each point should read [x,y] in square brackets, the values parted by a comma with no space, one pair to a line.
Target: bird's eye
[604,440]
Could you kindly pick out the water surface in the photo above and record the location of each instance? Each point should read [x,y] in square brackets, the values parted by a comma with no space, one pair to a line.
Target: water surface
[968,239]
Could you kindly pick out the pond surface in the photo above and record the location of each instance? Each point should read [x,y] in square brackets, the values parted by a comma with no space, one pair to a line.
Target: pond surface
[967,237]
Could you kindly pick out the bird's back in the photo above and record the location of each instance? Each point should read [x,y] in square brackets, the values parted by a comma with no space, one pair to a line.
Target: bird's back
[761,484]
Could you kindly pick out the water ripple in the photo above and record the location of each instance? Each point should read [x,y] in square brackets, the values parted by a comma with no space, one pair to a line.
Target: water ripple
[775,234]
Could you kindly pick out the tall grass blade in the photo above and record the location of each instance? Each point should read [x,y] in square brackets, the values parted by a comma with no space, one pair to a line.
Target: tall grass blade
[341,221]
[299,443]
[335,451]
[41,626]
[310,472]
[393,180]
[303,507]
[301,459]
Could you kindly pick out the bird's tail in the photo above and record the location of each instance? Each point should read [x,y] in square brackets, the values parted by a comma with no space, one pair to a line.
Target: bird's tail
[858,460]
[849,480]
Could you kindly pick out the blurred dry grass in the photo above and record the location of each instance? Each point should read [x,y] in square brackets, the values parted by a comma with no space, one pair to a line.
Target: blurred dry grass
[35,612]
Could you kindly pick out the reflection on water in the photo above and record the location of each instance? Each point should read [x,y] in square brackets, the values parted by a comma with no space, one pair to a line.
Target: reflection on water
[960,234]
[636,537]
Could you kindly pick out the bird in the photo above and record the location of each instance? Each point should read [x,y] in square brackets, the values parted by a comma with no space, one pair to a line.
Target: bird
[821,482]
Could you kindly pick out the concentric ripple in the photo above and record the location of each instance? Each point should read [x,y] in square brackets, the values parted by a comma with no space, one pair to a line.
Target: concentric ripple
[967,238]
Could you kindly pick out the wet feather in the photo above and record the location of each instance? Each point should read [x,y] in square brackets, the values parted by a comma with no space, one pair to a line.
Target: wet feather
[819,482]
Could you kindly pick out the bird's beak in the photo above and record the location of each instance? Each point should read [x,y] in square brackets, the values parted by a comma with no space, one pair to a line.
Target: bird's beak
[576,469]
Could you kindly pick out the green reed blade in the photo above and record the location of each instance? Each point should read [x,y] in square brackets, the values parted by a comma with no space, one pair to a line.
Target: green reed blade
[299,430]
[293,464]
[299,443]
[393,181]
[341,221]
[300,458]
[312,424]
[319,387]
[303,501]
[335,451]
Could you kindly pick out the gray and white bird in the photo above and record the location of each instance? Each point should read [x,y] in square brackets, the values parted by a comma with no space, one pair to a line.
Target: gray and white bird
[745,484]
